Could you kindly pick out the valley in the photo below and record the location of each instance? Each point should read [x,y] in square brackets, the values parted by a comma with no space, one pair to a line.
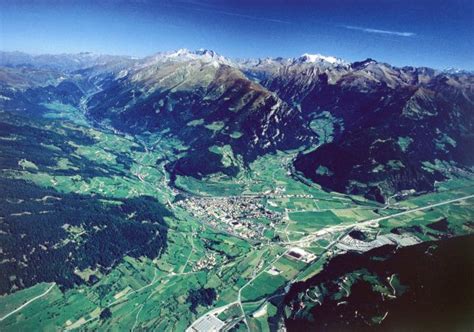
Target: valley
[132,217]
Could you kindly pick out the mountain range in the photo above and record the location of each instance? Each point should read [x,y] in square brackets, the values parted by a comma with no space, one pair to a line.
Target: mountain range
[365,128]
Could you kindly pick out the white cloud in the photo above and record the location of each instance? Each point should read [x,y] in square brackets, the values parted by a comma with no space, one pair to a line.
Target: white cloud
[383,32]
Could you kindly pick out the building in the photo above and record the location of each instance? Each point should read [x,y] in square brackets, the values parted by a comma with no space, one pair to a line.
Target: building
[208,323]
[302,255]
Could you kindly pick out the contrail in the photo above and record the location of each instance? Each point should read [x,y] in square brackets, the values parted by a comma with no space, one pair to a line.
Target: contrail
[223,12]
[378,31]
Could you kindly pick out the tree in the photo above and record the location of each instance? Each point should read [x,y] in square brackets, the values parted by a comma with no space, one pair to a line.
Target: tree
[105,314]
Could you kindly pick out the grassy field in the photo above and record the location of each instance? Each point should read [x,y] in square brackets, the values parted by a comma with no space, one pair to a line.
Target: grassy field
[312,221]
[17,299]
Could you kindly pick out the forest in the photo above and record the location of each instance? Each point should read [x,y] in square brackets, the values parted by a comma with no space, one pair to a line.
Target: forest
[45,234]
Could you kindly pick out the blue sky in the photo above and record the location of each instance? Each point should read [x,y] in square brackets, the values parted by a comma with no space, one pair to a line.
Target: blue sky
[432,33]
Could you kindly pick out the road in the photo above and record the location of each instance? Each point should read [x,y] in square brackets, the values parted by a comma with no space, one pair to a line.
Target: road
[28,302]
[239,296]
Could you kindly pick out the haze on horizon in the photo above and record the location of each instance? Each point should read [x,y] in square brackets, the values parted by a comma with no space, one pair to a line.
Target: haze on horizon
[436,33]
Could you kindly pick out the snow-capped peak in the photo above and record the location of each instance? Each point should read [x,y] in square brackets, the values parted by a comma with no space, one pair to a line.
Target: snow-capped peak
[180,52]
[457,71]
[315,58]
[184,54]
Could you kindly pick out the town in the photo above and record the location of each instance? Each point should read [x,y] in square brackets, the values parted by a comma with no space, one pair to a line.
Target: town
[243,216]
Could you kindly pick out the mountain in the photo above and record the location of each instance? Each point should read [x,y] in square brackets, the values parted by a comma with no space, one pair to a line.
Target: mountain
[364,128]
[199,98]
[61,62]
[318,58]
[389,289]
[49,232]
[184,54]
[384,129]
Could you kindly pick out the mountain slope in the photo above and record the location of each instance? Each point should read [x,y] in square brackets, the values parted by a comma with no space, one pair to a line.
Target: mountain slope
[366,128]
[204,102]
[392,129]
[389,289]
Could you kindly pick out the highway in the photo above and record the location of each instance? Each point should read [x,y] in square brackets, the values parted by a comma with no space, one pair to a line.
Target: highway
[374,221]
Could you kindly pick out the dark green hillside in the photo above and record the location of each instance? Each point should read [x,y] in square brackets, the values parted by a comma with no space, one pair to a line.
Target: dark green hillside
[203,106]
[31,140]
[391,129]
[426,287]
[394,139]
[46,235]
